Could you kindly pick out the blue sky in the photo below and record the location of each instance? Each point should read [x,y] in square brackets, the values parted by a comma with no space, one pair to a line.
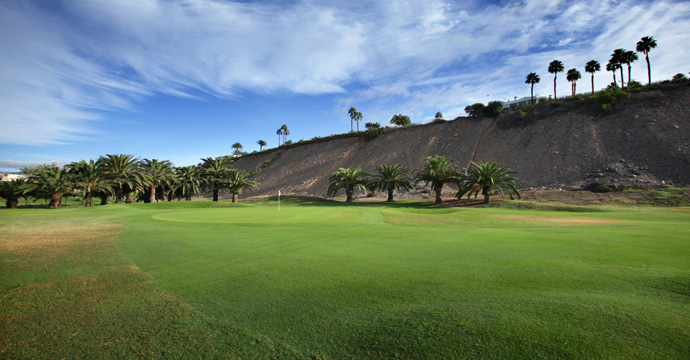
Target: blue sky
[185,79]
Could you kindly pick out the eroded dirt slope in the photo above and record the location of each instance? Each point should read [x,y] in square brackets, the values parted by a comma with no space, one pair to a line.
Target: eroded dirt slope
[644,142]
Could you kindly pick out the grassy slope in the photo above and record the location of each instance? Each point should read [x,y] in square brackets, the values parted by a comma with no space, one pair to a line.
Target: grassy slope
[370,281]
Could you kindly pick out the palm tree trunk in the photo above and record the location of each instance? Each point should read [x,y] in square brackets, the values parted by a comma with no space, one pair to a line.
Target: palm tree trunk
[55,201]
[88,201]
[215,194]
[152,197]
[438,195]
[487,195]
[622,78]
[531,92]
[649,70]
[554,86]
[592,83]
[390,195]
[188,197]
[12,203]
[348,193]
[629,75]
[234,197]
[615,82]
[118,195]
[104,200]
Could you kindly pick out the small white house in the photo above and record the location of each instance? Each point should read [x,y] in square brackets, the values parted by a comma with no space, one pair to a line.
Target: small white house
[11,176]
[517,102]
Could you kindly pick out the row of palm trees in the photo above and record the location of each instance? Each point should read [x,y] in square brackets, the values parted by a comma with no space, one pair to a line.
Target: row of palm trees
[282,132]
[618,58]
[398,120]
[125,177]
[437,171]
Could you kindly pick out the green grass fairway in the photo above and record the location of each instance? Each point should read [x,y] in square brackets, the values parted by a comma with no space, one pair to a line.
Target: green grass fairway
[344,281]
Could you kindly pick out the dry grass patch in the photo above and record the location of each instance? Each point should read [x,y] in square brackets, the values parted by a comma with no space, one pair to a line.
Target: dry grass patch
[68,293]
[30,235]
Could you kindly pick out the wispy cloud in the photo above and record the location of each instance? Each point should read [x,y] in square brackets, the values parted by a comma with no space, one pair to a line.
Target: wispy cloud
[64,64]
[14,164]
[481,58]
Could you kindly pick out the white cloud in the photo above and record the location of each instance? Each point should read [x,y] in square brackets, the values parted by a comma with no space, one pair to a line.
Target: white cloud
[491,53]
[104,55]
[15,165]
[68,65]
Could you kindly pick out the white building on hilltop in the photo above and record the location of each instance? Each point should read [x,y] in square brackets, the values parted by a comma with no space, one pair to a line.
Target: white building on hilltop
[517,102]
[12,176]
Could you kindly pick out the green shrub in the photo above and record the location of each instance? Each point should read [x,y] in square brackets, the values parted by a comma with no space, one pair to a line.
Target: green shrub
[493,109]
[680,77]
[373,129]
[634,84]
[604,100]
[475,110]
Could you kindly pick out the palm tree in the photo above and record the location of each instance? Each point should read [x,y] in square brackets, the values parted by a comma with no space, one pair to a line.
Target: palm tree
[238,148]
[90,178]
[353,114]
[156,174]
[629,57]
[279,133]
[238,180]
[645,45]
[215,174]
[487,177]
[52,182]
[592,66]
[391,177]
[612,67]
[189,181]
[438,115]
[618,58]
[358,118]
[555,67]
[532,78]
[122,170]
[401,120]
[11,191]
[573,76]
[261,144]
[348,179]
[437,171]
[284,130]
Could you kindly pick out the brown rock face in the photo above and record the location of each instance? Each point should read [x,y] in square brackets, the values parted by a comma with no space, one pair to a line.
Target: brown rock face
[644,142]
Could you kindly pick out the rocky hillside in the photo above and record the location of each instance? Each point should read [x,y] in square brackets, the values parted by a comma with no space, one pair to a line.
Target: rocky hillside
[642,142]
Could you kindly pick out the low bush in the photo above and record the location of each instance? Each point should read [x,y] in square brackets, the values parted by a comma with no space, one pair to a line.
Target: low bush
[603,101]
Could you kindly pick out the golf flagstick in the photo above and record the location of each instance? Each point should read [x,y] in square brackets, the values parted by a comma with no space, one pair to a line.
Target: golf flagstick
[278,200]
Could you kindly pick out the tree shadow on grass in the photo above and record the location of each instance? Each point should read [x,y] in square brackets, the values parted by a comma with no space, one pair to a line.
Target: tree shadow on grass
[316,201]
